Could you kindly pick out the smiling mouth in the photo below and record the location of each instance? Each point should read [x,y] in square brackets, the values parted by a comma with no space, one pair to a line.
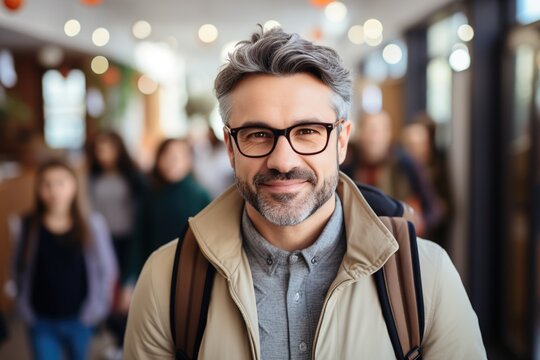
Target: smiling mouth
[284,185]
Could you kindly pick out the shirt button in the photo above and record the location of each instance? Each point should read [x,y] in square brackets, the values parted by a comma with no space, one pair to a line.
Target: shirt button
[269,260]
[302,346]
[314,260]
[293,259]
[297,297]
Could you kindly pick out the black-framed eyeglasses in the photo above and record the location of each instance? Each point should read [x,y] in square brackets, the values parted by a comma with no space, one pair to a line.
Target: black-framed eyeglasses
[305,139]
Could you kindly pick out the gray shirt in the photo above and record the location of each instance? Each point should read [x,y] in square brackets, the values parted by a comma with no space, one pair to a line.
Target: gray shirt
[290,287]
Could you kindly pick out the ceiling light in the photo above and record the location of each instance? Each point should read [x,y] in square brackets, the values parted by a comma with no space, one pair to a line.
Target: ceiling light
[208,33]
[356,34]
[99,64]
[373,41]
[392,54]
[460,59]
[336,11]
[373,29]
[72,28]
[100,37]
[270,24]
[465,32]
[142,29]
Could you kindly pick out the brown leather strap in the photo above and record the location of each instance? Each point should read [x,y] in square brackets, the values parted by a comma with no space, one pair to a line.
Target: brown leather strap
[400,285]
[189,294]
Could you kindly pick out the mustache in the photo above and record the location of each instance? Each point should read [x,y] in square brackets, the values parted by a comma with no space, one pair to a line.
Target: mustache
[294,174]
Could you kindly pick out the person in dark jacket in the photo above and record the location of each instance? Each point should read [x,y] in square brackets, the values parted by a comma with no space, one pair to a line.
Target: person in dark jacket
[65,267]
[174,197]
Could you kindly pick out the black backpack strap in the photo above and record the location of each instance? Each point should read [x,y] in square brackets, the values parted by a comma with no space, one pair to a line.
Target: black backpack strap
[399,288]
[191,287]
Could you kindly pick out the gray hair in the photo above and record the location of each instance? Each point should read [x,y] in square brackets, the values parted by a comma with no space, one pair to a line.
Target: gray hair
[275,52]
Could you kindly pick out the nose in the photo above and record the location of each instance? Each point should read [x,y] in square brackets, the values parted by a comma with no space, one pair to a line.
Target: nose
[283,158]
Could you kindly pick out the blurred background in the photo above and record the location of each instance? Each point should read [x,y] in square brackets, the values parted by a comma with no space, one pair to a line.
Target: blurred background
[446,100]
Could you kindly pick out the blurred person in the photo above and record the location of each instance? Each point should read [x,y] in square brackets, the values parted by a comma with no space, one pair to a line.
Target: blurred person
[65,267]
[418,139]
[116,190]
[175,195]
[295,245]
[211,166]
[376,161]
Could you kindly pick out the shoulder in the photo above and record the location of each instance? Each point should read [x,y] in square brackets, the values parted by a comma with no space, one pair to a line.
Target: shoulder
[148,328]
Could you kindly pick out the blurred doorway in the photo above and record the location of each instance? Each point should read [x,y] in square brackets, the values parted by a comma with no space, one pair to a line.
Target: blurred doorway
[521,255]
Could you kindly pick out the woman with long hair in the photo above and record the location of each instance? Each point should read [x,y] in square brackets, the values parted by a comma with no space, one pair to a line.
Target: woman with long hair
[116,188]
[65,267]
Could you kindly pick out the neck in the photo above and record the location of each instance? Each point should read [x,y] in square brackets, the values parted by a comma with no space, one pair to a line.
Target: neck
[295,237]
[57,221]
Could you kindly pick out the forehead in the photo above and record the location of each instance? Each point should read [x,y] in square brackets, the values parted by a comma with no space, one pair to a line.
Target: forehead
[56,173]
[280,101]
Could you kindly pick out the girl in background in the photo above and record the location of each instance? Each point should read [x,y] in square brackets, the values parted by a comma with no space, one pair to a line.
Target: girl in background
[65,267]
[116,189]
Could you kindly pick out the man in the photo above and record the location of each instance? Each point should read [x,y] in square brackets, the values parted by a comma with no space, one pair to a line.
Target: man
[295,244]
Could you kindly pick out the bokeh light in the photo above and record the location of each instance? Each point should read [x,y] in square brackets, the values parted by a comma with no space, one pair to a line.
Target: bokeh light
[208,33]
[147,85]
[270,24]
[373,29]
[100,37]
[142,29]
[336,11]
[99,64]
[465,32]
[392,54]
[72,28]
[356,34]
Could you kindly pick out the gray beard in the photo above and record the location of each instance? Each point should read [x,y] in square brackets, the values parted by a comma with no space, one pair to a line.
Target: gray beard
[287,209]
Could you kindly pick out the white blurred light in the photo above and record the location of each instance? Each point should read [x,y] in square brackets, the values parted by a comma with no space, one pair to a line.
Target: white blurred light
[460,59]
[373,29]
[465,32]
[356,34]
[100,37]
[72,28]
[373,41]
[270,24]
[8,76]
[336,11]
[147,85]
[158,61]
[50,56]
[372,99]
[95,104]
[227,49]
[208,33]
[99,64]
[392,54]
[141,29]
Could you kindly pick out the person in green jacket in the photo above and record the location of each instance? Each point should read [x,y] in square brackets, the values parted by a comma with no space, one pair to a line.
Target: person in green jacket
[175,195]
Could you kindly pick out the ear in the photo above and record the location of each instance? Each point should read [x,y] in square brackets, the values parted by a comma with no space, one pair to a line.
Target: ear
[343,140]
[229,145]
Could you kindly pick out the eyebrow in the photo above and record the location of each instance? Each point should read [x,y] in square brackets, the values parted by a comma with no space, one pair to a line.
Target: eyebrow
[297,122]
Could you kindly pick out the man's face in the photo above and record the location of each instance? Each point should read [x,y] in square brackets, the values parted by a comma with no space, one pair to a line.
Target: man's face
[285,187]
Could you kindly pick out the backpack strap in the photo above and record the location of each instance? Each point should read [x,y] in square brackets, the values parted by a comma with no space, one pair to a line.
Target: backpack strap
[400,292]
[191,288]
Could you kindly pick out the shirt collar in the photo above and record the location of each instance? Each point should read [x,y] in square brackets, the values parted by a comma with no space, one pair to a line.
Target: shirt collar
[269,257]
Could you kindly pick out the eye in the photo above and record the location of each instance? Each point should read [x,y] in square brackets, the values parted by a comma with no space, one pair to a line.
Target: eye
[308,130]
